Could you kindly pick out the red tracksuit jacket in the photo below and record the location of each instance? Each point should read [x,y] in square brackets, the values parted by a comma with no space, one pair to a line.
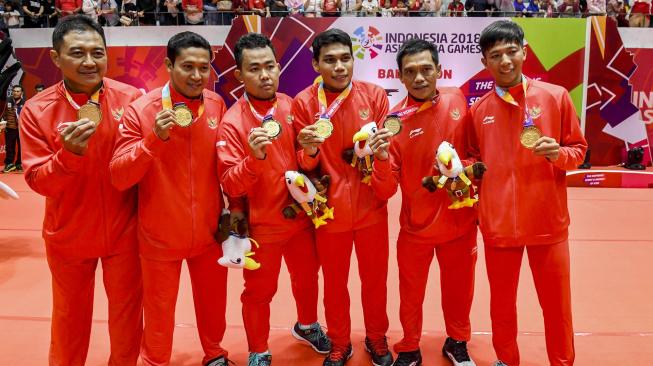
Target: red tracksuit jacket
[356,205]
[262,181]
[179,197]
[85,216]
[424,215]
[523,197]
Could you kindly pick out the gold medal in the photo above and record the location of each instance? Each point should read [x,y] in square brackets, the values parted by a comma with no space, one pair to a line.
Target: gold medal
[183,115]
[324,128]
[529,136]
[393,124]
[91,111]
[272,128]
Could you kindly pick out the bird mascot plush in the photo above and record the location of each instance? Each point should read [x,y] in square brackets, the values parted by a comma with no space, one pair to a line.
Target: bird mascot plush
[454,177]
[236,246]
[361,156]
[309,196]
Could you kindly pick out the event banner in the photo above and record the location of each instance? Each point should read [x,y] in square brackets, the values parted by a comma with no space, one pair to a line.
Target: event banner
[555,50]
[619,107]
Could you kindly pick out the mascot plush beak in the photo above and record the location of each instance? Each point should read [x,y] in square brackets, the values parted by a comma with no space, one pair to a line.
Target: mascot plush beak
[446,158]
[360,137]
[299,182]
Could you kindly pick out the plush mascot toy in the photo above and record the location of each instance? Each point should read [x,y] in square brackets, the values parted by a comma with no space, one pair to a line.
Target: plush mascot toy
[236,246]
[309,196]
[362,156]
[454,178]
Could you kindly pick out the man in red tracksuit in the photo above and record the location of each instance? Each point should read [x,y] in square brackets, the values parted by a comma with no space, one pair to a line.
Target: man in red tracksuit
[252,164]
[361,218]
[428,117]
[167,148]
[527,133]
[66,157]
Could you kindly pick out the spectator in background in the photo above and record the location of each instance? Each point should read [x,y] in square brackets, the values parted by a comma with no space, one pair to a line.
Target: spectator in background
[211,16]
[193,11]
[386,10]
[549,8]
[414,8]
[401,10]
[369,8]
[506,8]
[11,116]
[33,10]
[520,8]
[330,8]
[640,14]
[476,8]
[259,8]
[39,88]
[595,7]
[456,9]
[11,16]
[569,9]
[277,8]
[107,13]
[68,7]
[617,11]
[431,8]
[51,15]
[352,7]
[492,9]
[169,12]
[130,13]
[312,8]
[533,9]
[295,6]
[146,12]
[225,10]
[89,8]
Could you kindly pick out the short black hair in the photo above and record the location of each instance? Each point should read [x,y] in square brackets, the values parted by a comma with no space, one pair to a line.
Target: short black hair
[251,41]
[501,31]
[183,40]
[414,46]
[331,36]
[39,86]
[17,86]
[75,23]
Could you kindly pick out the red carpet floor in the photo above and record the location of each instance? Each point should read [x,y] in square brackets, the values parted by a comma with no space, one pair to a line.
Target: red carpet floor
[612,284]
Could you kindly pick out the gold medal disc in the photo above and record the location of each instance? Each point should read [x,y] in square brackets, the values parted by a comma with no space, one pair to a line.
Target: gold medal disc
[529,136]
[324,128]
[183,115]
[91,111]
[272,128]
[393,124]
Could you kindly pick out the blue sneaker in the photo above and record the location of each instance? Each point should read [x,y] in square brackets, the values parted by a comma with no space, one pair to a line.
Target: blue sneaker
[220,361]
[314,337]
[259,359]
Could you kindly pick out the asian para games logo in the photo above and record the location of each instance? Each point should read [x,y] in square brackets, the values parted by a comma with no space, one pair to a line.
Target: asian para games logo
[367,41]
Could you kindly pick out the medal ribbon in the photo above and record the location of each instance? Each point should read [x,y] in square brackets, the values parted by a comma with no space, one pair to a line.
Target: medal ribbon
[95,98]
[508,98]
[407,112]
[327,112]
[166,101]
[268,115]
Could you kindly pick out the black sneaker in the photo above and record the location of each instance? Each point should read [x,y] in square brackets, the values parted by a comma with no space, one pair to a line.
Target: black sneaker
[314,337]
[259,359]
[338,356]
[378,350]
[19,168]
[220,361]
[9,168]
[413,358]
[456,351]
